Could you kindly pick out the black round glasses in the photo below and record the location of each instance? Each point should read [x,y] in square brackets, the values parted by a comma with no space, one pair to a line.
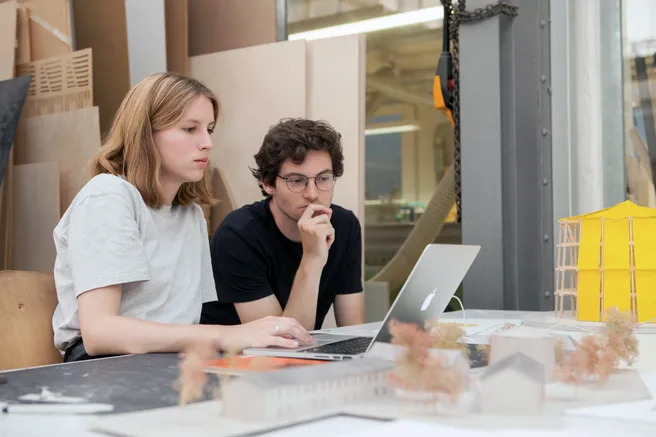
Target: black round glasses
[298,183]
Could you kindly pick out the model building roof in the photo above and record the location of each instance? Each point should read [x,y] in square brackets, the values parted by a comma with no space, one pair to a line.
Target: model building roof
[520,363]
[310,374]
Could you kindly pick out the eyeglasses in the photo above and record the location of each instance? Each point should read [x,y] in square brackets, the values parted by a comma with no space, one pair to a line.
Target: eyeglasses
[298,183]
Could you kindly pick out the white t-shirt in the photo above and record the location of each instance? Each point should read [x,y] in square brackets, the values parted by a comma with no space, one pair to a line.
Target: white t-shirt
[109,236]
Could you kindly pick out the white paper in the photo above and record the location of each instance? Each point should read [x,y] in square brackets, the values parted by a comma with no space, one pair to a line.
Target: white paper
[641,411]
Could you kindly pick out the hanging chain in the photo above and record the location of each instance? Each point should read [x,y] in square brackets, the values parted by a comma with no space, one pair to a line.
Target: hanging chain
[459,16]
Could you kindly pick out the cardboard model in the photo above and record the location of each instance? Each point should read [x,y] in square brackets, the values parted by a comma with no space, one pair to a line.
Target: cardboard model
[513,386]
[533,343]
[289,393]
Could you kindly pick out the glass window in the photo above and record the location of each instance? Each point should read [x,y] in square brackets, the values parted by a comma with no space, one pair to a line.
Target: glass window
[408,142]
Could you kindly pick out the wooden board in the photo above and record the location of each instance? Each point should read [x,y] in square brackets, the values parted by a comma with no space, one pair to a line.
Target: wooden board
[226,202]
[216,26]
[50,27]
[256,87]
[68,138]
[35,214]
[61,83]
[101,26]
[24,47]
[27,301]
[8,22]
[177,36]
[336,93]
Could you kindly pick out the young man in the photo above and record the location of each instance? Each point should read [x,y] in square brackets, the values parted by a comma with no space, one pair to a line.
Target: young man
[293,253]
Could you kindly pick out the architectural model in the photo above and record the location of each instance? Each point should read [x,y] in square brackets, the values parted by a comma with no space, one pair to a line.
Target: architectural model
[606,259]
[534,343]
[288,393]
[513,386]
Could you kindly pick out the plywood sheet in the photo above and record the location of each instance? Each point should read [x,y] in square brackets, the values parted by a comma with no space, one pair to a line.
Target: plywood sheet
[101,26]
[226,203]
[61,83]
[50,27]
[336,93]
[24,47]
[176,14]
[8,22]
[68,138]
[35,214]
[256,87]
[216,26]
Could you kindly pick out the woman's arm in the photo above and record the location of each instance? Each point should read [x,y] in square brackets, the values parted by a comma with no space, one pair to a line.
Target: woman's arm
[106,332]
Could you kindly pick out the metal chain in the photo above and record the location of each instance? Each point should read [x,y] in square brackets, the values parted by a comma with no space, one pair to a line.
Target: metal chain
[459,16]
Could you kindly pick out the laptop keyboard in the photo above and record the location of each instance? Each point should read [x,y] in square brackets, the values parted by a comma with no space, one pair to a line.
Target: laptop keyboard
[352,346]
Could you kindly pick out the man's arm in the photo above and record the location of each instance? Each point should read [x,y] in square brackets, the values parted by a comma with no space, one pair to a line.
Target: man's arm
[317,235]
[349,309]
[302,302]
[349,301]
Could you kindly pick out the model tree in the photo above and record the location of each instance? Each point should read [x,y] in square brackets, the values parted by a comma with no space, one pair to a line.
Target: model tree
[418,369]
[598,355]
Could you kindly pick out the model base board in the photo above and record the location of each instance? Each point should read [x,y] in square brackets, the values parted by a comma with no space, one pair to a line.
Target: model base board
[205,418]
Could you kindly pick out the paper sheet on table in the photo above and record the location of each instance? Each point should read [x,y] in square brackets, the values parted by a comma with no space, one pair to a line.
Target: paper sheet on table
[641,411]
[410,427]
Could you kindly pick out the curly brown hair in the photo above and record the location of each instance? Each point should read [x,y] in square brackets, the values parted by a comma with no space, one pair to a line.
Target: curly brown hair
[292,138]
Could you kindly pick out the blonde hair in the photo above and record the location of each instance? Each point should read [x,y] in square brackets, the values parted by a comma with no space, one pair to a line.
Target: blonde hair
[155,103]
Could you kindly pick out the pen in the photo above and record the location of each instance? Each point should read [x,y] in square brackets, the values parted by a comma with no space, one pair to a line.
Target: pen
[57,408]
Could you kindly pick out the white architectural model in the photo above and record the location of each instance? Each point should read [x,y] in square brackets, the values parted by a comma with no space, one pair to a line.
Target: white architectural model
[291,392]
[513,386]
[536,344]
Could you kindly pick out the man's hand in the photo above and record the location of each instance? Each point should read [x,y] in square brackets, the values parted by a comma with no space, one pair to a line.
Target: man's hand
[317,233]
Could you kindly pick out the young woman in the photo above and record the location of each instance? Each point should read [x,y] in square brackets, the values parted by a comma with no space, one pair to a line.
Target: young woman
[133,264]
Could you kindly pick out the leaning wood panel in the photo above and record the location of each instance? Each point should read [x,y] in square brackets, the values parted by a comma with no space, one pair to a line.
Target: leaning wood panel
[336,93]
[35,214]
[177,36]
[68,138]
[8,22]
[62,83]
[27,303]
[50,27]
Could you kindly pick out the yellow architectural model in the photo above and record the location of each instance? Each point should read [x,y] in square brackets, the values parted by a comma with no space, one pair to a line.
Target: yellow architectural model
[607,259]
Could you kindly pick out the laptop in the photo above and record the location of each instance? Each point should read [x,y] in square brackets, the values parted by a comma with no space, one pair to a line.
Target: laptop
[425,295]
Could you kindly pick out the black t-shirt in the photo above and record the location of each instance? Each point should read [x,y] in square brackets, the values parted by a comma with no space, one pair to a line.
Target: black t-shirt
[252,259]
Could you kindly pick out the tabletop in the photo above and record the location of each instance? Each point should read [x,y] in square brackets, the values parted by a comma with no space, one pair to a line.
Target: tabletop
[146,382]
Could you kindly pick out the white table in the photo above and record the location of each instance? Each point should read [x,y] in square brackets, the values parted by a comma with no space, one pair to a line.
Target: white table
[76,425]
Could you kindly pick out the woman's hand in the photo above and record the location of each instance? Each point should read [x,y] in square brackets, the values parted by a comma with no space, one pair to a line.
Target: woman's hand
[268,331]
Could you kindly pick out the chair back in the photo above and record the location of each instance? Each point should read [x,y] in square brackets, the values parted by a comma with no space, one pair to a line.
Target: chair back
[27,303]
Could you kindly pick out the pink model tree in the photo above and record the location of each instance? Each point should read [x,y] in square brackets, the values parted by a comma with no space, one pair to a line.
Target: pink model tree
[419,370]
[597,356]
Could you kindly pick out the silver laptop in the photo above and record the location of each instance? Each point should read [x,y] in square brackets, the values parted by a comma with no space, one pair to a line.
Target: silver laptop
[425,295]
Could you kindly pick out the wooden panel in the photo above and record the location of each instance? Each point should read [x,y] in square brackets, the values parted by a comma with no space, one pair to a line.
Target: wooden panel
[336,93]
[35,214]
[50,27]
[177,36]
[24,48]
[216,26]
[61,83]
[27,302]
[101,26]
[226,202]
[8,22]
[256,87]
[68,138]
